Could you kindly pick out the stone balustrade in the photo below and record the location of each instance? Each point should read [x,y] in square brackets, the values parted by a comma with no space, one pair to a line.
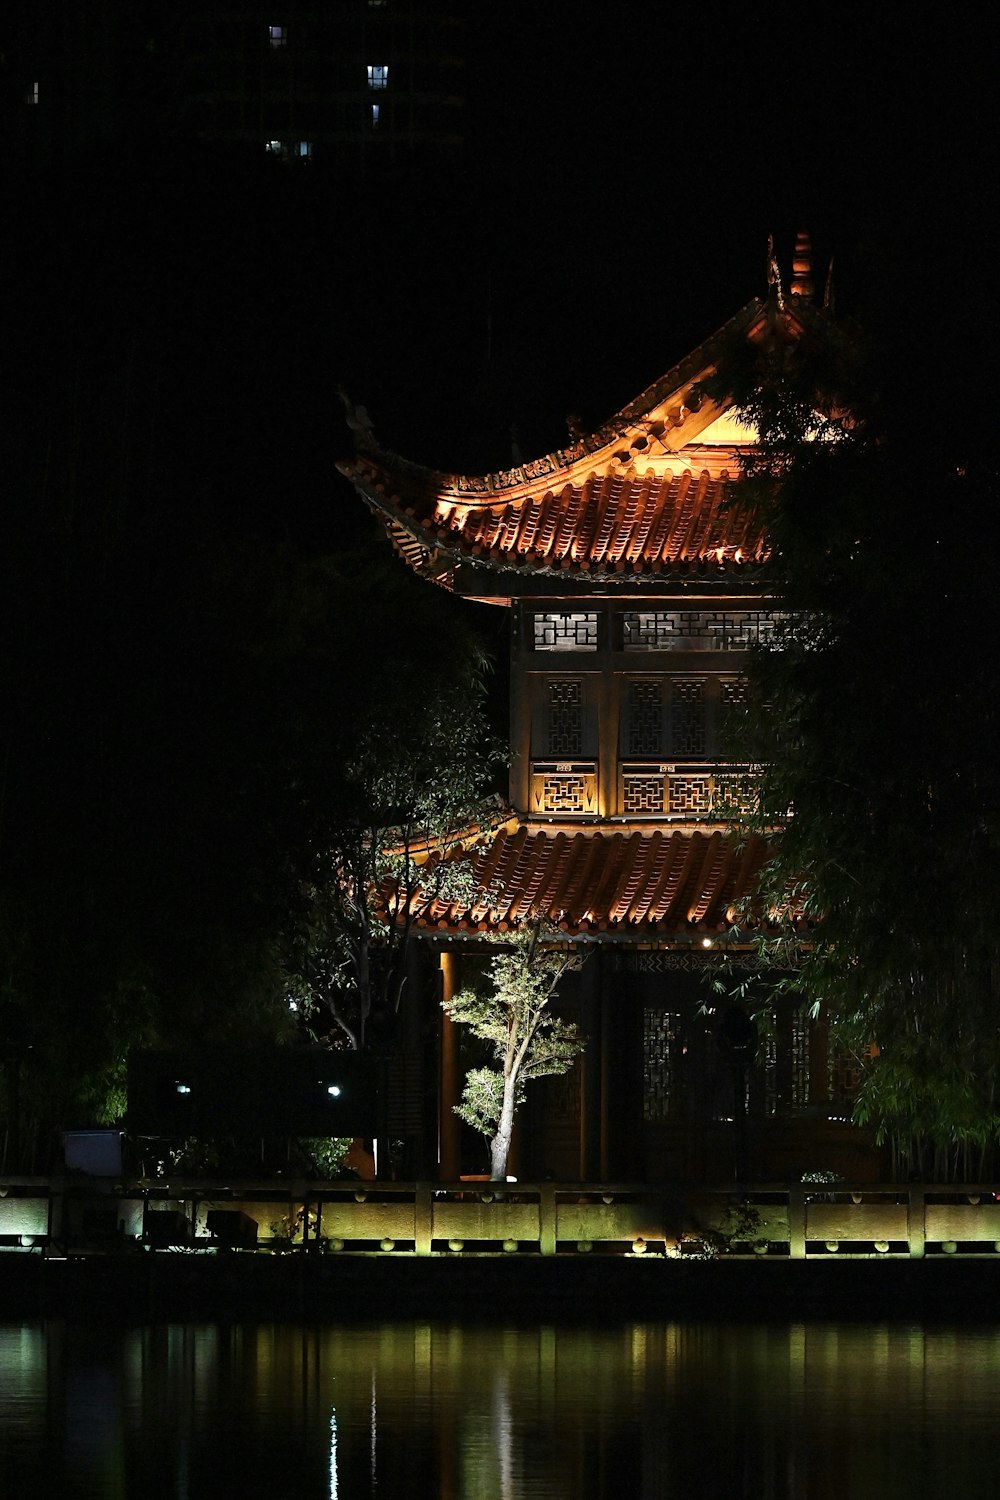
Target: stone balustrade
[59,1216]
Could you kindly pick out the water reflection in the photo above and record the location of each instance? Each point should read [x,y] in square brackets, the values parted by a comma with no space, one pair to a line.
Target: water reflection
[804,1411]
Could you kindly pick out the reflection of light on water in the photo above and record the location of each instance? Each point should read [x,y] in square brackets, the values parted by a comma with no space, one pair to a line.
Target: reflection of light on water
[374,1429]
[453,1412]
[503,1433]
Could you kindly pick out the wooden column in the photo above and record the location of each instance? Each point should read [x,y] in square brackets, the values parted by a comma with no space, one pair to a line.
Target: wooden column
[450,1093]
[609,1078]
[590,1065]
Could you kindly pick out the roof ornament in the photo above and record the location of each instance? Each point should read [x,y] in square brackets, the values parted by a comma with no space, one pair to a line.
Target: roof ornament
[802,282]
[829,301]
[774,274]
[358,420]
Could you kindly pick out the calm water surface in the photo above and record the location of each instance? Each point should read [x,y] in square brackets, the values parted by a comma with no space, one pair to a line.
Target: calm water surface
[415,1410]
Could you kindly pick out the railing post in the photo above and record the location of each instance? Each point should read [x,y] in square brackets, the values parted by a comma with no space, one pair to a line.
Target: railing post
[916,1221]
[796,1223]
[547,1219]
[423,1218]
[57,1212]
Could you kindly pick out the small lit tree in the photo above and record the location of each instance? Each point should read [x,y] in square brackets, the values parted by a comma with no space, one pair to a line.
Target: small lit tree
[528,1041]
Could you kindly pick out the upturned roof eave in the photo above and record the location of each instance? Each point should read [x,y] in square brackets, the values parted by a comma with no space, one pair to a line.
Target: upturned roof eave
[673,400]
[447,562]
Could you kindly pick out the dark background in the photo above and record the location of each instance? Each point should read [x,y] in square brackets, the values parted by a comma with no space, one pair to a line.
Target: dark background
[623,166]
[178,318]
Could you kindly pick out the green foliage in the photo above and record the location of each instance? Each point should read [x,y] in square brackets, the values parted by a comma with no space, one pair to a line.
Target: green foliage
[223,747]
[875,723]
[327,1153]
[482,1100]
[402,777]
[736,1230]
[526,1039]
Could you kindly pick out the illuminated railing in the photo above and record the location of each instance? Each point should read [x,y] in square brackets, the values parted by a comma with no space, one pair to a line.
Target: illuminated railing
[684,790]
[62,1216]
[564,787]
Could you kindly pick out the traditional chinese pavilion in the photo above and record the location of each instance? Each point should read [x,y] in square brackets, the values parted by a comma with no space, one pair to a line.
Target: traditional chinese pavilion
[636,589]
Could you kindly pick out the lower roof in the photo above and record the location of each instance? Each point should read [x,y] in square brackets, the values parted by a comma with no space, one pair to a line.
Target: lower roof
[670,886]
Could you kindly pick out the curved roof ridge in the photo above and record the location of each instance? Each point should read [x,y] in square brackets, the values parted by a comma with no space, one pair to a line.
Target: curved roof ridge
[495,487]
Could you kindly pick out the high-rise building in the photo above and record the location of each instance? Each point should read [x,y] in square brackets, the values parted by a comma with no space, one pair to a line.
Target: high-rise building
[351,84]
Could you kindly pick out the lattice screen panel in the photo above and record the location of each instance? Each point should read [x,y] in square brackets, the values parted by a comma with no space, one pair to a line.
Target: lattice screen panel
[732,706]
[768,1053]
[564,1093]
[644,794]
[684,791]
[687,961]
[690,794]
[844,1073]
[705,630]
[564,789]
[800,1059]
[565,632]
[565,717]
[644,710]
[734,792]
[660,1030]
[687,717]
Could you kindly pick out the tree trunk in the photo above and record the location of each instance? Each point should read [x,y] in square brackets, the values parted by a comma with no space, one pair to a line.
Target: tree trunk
[499,1147]
[500,1144]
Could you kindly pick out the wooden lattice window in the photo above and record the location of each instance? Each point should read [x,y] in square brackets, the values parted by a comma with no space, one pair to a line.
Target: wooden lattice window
[565,735]
[643,794]
[800,1034]
[687,717]
[698,630]
[660,1041]
[564,787]
[576,631]
[768,1055]
[690,794]
[844,1067]
[562,792]
[644,717]
[733,699]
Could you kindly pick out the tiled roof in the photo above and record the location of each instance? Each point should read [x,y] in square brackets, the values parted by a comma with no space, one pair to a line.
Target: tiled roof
[611,524]
[648,492]
[664,885]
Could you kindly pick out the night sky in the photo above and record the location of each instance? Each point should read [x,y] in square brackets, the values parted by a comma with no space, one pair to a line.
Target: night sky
[625,167]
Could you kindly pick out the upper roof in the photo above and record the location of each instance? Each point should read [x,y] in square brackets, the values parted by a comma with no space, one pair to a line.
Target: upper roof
[646,499]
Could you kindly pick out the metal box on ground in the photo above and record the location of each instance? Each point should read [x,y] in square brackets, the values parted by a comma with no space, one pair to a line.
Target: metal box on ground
[232,1227]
